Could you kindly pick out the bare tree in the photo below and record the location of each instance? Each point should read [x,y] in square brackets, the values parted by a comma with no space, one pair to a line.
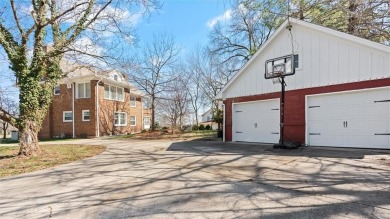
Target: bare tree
[27,30]
[9,105]
[251,25]
[211,75]
[366,19]
[175,104]
[152,70]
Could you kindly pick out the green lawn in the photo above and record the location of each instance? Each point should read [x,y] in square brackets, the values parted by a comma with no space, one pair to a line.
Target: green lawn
[51,155]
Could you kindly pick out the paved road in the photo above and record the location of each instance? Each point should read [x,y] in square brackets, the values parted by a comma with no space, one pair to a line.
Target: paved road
[163,179]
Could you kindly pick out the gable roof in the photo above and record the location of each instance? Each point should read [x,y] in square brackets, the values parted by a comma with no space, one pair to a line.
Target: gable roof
[316,27]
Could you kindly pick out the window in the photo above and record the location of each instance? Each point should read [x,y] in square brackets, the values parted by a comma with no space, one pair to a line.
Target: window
[106,91]
[115,77]
[86,115]
[132,120]
[133,101]
[120,119]
[296,61]
[119,92]
[57,90]
[83,90]
[113,93]
[67,116]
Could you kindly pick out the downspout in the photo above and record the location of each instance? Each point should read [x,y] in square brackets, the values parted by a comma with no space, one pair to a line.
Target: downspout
[142,116]
[73,126]
[97,108]
[224,123]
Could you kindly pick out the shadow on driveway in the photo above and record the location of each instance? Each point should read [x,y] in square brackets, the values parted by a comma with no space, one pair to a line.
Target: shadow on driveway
[210,147]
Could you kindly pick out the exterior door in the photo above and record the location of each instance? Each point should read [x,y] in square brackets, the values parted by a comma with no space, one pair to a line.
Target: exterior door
[350,119]
[146,122]
[256,121]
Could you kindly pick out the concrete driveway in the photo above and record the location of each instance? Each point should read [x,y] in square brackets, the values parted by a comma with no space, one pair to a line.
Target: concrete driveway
[167,179]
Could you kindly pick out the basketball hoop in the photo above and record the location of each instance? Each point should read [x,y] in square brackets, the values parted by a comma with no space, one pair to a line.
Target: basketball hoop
[277,69]
[276,77]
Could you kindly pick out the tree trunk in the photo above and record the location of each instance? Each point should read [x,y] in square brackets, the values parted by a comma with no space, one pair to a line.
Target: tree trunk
[5,126]
[28,140]
[352,20]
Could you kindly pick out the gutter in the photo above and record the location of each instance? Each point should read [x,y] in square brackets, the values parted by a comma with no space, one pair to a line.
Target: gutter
[97,108]
[224,123]
[73,126]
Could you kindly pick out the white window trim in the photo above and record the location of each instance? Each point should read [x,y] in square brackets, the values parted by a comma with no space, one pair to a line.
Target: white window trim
[135,102]
[82,115]
[116,93]
[125,119]
[85,90]
[135,121]
[63,116]
[59,91]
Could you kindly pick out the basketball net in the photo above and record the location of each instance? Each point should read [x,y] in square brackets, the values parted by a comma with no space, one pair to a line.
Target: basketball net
[276,80]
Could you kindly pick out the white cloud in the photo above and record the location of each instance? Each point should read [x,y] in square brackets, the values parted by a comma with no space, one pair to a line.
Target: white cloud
[223,17]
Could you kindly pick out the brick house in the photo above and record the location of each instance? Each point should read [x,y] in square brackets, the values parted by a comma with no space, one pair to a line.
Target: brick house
[91,104]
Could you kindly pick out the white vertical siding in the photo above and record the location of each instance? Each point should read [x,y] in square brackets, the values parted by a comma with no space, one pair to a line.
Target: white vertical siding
[325,59]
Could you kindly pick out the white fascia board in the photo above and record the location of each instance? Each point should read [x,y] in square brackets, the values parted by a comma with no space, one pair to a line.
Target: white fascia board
[319,28]
[116,83]
[252,59]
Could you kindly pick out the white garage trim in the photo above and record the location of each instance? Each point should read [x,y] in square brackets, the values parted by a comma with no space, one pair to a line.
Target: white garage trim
[255,118]
[367,120]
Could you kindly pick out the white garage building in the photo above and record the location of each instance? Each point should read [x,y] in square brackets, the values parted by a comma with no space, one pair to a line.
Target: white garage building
[339,95]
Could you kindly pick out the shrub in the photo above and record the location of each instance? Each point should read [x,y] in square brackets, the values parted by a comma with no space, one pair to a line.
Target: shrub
[164,129]
[208,127]
[195,128]
[201,127]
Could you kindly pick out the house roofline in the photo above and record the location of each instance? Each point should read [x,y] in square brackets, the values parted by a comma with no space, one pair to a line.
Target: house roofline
[317,27]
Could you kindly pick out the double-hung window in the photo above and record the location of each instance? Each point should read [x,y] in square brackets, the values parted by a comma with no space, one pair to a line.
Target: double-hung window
[133,101]
[113,93]
[132,121]
[120,119]
[67,116]
[86,116]
[83,90]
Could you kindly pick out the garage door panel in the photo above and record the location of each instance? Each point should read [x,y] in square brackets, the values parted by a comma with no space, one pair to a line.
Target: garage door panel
[256,121]
[350,119]
[375,141]
[377,95]
[378,126]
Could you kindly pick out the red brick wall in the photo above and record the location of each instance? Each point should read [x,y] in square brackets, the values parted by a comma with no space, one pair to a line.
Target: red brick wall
[53,125]
[109,107]
[295,105]
[85,128]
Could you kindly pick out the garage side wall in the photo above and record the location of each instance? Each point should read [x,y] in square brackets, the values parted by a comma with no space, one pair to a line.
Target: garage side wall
[295,106]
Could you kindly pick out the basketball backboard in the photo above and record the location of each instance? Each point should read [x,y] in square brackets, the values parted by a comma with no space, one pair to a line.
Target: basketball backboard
[278,67]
